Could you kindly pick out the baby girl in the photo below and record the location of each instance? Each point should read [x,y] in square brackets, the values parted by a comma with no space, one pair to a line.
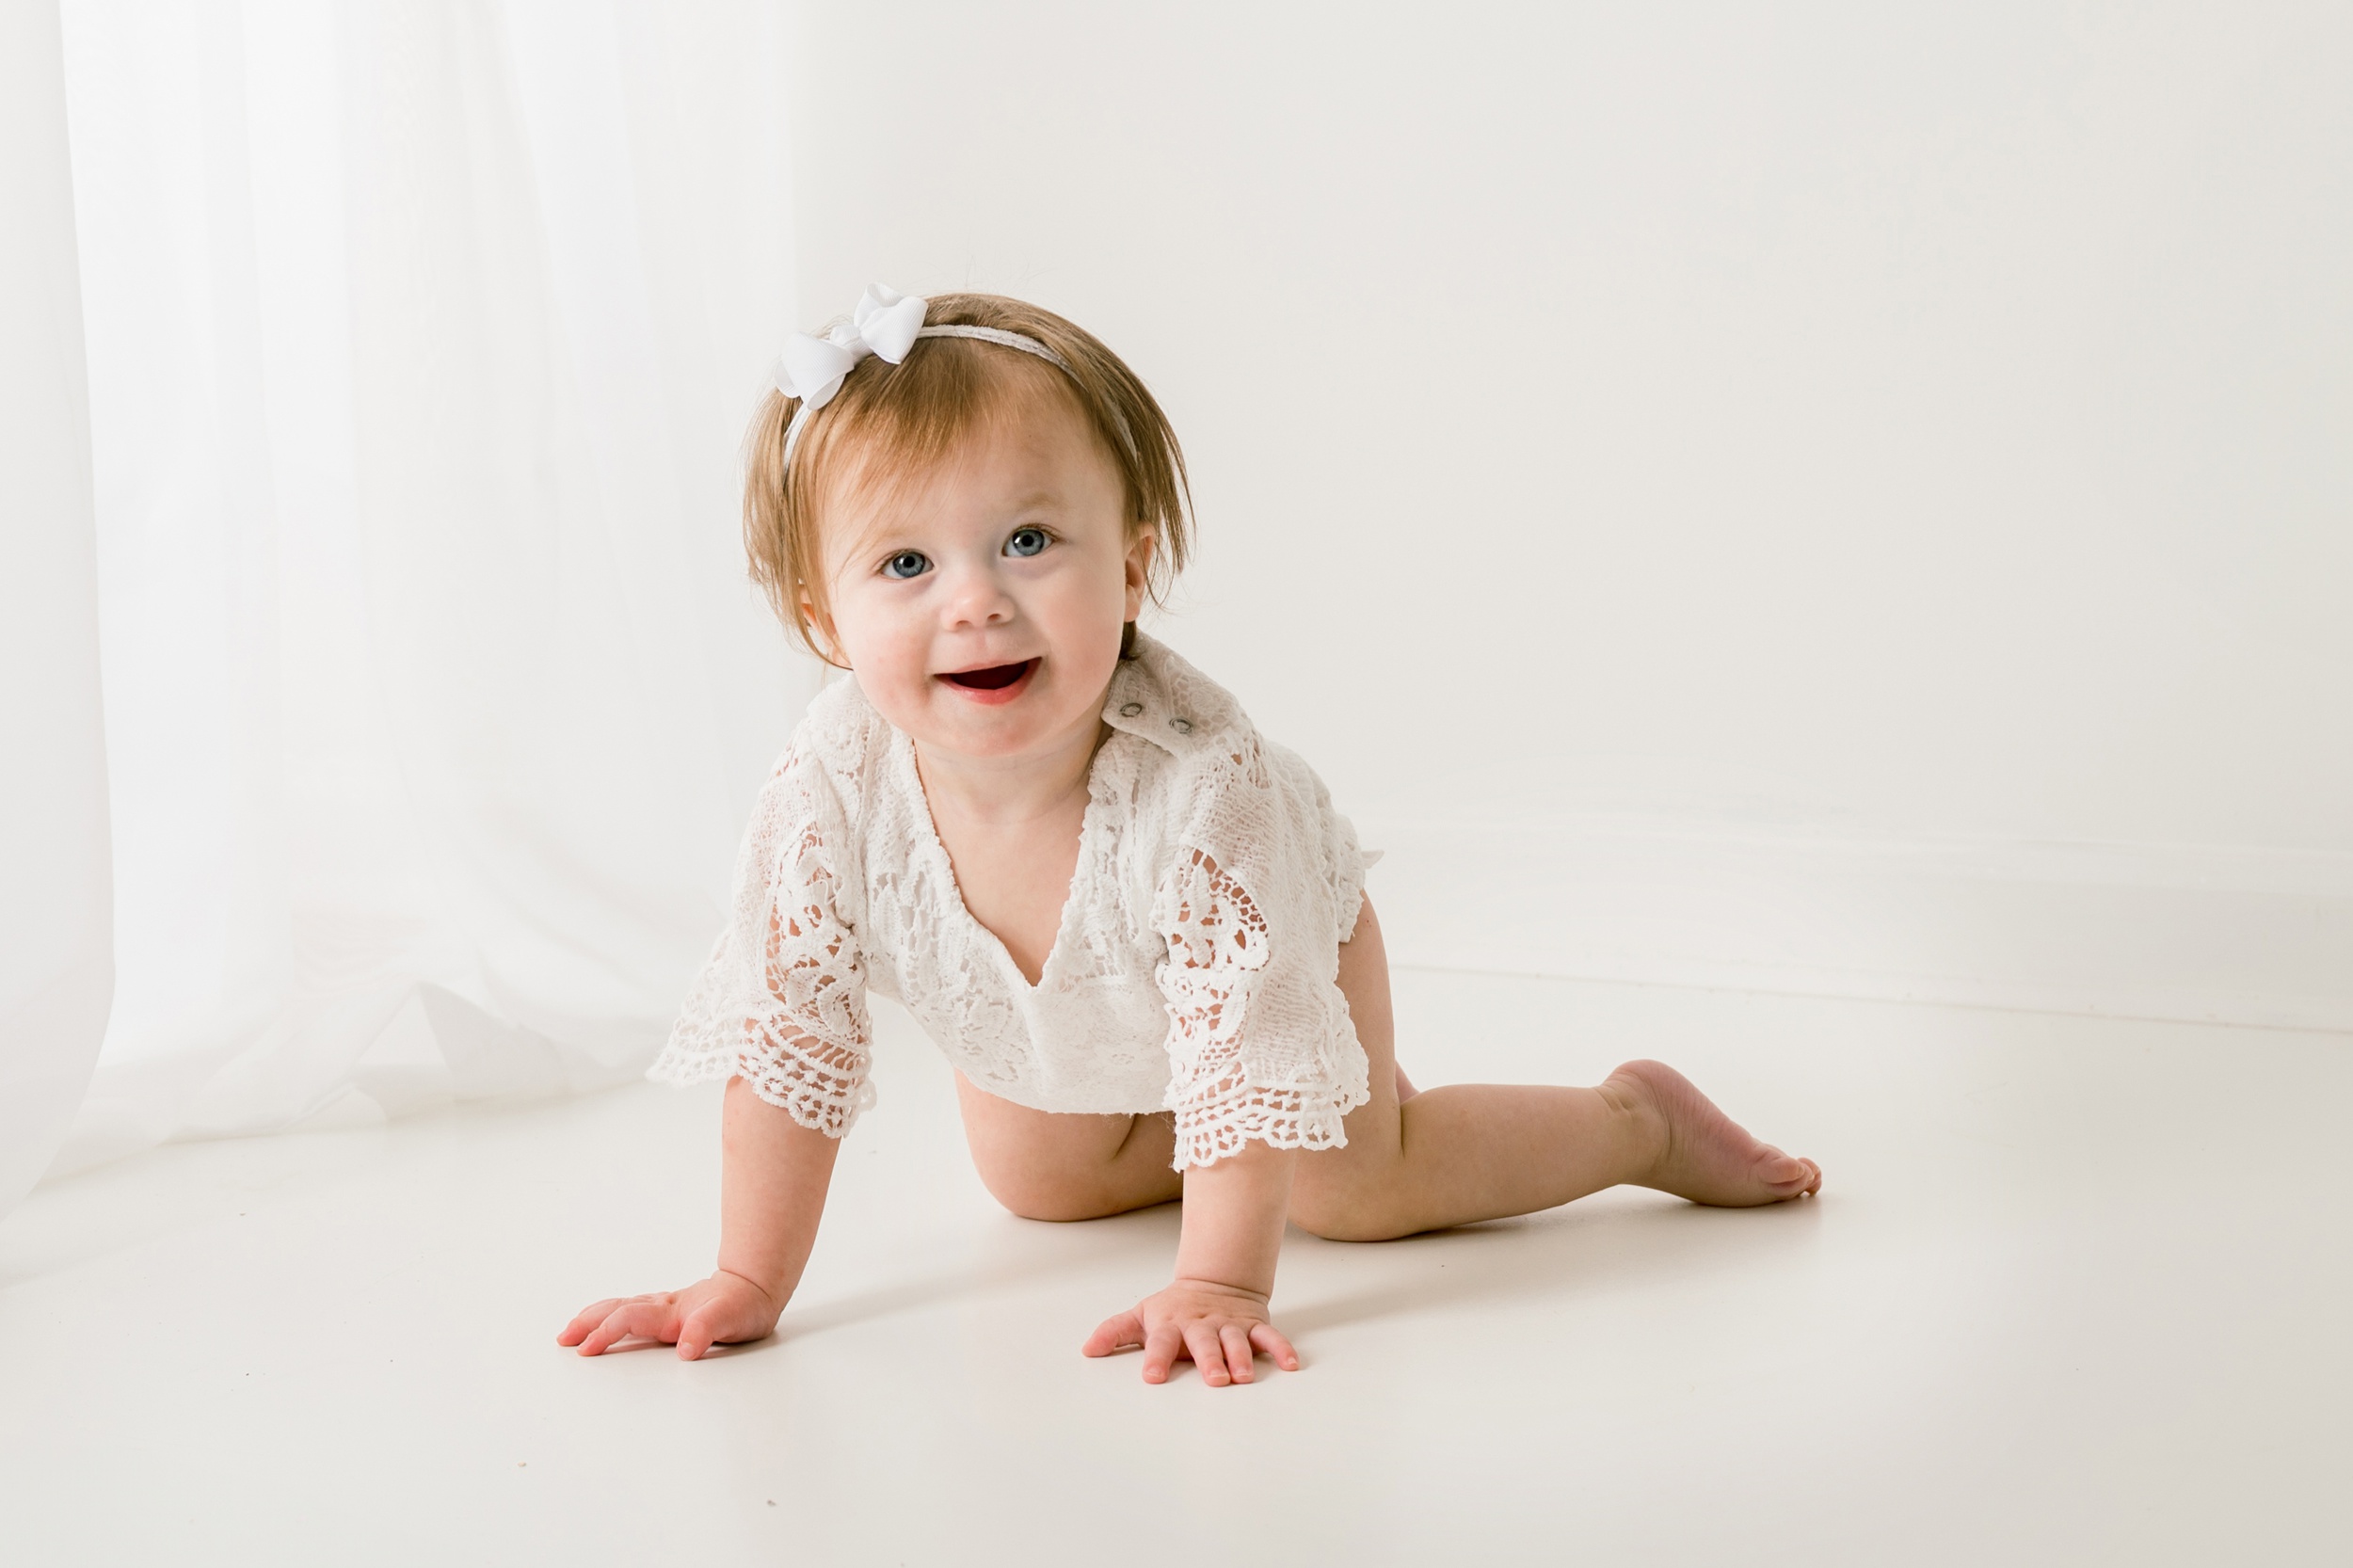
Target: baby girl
[1135,926]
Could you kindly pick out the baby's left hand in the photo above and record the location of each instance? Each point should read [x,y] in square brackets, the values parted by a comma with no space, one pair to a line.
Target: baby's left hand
[1217,1326]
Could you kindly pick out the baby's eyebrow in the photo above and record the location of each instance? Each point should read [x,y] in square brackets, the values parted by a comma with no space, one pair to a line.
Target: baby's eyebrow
[884,525]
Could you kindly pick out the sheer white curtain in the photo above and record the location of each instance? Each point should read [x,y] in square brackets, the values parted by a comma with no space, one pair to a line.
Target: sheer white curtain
[56,957]
[420,337]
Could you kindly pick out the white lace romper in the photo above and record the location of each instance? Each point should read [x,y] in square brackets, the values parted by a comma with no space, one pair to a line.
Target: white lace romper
[1194,970]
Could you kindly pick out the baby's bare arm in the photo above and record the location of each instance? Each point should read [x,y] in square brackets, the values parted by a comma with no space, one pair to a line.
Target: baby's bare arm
[1215,1310]
[774,1173]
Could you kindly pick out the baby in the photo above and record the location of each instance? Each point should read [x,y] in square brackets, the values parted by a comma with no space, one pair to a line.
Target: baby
[1135,926]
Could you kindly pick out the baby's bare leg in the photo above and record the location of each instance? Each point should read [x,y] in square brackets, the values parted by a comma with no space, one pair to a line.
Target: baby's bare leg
[1044,1166]
[1480,1151]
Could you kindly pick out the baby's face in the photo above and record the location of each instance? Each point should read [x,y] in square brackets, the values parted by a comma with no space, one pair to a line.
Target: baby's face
[981,604]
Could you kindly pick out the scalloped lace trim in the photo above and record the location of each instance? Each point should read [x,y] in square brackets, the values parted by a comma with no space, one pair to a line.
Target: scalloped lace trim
[1231,1087]
[796,1031]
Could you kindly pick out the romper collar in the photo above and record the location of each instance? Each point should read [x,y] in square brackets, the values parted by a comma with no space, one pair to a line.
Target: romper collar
[1159,698]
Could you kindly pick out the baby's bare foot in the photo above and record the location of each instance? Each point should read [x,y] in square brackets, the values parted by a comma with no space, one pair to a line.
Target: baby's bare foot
[1705,1155]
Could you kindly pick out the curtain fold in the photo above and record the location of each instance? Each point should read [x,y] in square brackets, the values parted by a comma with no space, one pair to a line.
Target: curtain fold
[421,338]
[55,938]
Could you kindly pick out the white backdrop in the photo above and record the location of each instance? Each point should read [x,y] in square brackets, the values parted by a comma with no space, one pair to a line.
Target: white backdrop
[55,947]
[1818,497]
[1825,496]
[420,340]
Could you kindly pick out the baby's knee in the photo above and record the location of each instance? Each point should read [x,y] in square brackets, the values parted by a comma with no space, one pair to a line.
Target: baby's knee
[1050,1198]
[1340,1209]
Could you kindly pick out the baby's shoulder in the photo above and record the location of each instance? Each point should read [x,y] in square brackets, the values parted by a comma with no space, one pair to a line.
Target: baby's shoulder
[837,752]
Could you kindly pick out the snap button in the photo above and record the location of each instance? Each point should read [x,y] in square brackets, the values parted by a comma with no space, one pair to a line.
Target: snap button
[1182,726]
[1129,709]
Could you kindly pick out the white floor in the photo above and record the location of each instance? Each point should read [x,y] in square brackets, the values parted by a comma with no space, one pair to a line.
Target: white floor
[2077,1291]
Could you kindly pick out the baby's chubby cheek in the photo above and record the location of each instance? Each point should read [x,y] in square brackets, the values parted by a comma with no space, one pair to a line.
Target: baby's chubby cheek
[892,664]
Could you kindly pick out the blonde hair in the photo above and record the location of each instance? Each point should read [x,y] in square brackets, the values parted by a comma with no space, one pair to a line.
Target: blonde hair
[894,419]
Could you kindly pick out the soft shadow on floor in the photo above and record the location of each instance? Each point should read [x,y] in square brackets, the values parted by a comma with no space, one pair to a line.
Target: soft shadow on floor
[1559,1255]
[1012,1256]
[1620,1241]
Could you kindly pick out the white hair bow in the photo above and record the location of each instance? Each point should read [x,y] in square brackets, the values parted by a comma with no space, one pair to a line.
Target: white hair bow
[885,324]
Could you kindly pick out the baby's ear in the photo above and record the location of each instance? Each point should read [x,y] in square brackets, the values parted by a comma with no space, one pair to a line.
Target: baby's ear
[1141,544]
[820,632]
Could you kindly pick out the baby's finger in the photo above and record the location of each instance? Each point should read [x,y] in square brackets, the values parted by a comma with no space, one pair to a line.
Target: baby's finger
[695,1337]
[1114,1333]
[1159,1352]
[586,1318]
[1268,1338]
[654,1320]
[606,1334]
[1207,1354]
[1234,1338]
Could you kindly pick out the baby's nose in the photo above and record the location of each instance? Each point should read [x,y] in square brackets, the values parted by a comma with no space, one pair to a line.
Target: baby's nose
[979,598]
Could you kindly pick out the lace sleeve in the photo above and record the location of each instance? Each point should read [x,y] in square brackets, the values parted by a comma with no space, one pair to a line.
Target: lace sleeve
[1259,1042]
[782,999]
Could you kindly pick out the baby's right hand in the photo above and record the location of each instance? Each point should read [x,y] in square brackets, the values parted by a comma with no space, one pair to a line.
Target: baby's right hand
[724,1309]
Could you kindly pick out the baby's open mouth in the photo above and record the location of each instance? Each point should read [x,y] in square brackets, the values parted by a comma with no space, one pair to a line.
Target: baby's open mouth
[995,678]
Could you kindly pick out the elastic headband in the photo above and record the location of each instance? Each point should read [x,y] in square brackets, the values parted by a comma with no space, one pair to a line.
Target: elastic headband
[886,325]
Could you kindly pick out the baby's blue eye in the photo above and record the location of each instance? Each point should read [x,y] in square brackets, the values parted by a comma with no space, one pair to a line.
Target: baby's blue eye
[907,563]
[1026,541]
